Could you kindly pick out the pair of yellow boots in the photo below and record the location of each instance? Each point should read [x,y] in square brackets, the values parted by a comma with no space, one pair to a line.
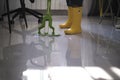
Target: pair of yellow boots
[74,21]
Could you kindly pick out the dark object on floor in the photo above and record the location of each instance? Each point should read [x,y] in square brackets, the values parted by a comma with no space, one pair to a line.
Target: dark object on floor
[22,13]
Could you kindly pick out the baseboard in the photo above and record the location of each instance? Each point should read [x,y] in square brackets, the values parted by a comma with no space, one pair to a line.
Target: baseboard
[54,12]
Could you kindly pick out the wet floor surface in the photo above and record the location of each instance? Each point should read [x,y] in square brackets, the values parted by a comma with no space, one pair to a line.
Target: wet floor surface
[92,55]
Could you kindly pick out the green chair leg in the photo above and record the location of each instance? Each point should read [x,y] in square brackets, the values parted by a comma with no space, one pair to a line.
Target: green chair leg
[48,18]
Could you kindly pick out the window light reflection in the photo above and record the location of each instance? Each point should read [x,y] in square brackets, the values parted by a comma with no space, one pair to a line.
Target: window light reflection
[116,71]
[70,73]
[98,73]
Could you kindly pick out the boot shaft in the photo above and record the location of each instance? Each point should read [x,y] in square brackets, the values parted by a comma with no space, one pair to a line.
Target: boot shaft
[76,21]
[77,15]
[68,22]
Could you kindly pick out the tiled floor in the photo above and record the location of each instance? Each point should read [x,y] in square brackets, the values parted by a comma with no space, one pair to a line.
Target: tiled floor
[92,55]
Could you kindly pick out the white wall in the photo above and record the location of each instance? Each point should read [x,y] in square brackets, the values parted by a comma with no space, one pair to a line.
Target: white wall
[41,4]
[56,5]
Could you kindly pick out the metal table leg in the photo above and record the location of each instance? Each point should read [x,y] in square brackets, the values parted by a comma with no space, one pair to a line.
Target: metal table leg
[101,7]
[102,15]
[116,19]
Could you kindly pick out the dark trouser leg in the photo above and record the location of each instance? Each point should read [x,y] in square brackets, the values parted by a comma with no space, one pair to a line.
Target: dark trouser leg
[74,3]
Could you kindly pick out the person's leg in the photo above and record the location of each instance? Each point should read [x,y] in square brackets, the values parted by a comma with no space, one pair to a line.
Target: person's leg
[75,27]
[76,3]
[76,21]
[68,22]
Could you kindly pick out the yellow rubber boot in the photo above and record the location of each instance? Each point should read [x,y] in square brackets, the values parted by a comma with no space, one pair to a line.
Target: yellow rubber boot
[68,23]
[76,21]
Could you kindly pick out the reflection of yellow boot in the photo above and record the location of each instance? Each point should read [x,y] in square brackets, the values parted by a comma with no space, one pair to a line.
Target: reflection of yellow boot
[68,23]
[76,21]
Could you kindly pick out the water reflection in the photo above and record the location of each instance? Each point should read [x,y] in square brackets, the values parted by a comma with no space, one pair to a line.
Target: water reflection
[73,55]
[20,57]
